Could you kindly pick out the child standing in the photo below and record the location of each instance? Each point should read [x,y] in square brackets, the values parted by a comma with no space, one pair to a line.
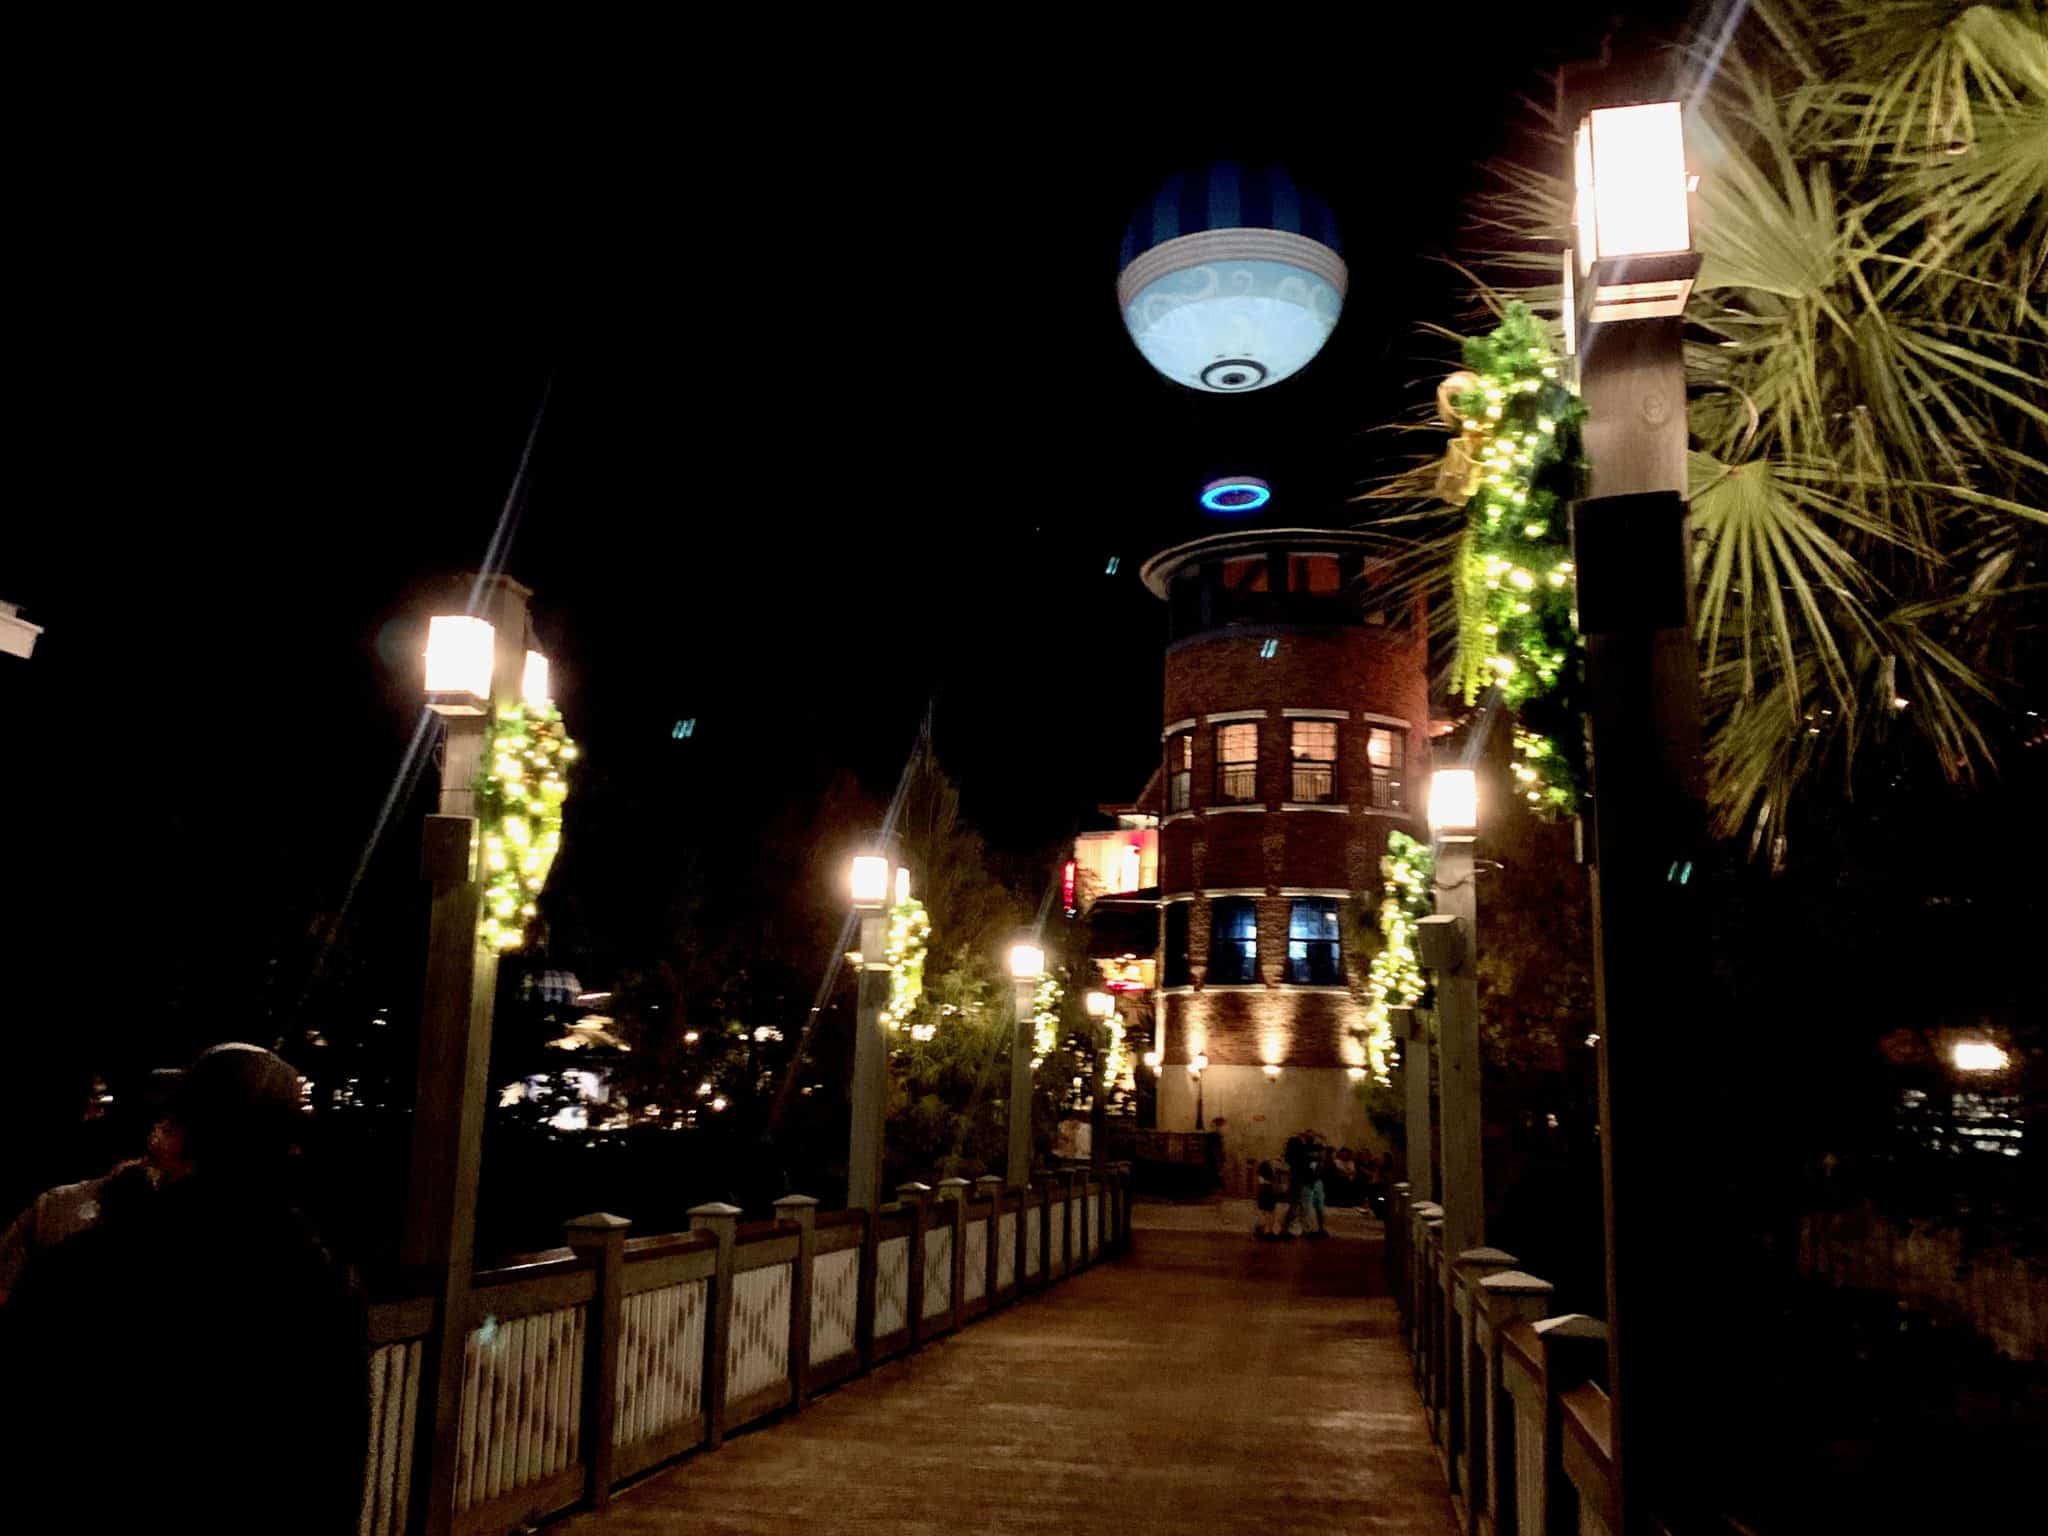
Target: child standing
[1268,1228]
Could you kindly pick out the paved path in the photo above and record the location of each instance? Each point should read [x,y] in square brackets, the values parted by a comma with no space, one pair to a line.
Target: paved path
[1205,1384]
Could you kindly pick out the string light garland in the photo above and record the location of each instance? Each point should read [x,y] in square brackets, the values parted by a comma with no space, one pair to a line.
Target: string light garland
[1395,977]
[910,929]
[1116,1061]
[1516,466]
[1045,1019]
[519,795]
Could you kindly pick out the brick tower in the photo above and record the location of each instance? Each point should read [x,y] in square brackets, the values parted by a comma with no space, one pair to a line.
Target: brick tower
[1295,740]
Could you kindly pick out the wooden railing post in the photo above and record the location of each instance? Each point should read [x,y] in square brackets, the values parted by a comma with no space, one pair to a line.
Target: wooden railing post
[803,1210]
[1420,1318]
[1397,1251]
[602,1240]
[954,1192]
[1465,1402]
[723,1222]
[1501,1299]
[990,1185]
[864,1303]
[914,1198]
[1564,1352]
[1586,1417]
[1077,1221]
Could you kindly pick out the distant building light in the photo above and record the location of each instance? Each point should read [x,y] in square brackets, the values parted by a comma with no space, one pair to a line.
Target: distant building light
[1114,561]
[1980,1056]
[1268,650]
[683,730]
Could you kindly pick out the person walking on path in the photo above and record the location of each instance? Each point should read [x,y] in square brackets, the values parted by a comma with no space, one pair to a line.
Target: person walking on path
[202,1346]
[1305,1184]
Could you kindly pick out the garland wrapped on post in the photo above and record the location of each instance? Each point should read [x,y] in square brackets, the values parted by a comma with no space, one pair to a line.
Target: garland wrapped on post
[1045,1020]
[1395,977]
[1516,466]
[519,795]
[910,928]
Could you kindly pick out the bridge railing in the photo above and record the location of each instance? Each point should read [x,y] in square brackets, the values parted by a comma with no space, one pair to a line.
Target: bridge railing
[593,1363]
[1514,1397]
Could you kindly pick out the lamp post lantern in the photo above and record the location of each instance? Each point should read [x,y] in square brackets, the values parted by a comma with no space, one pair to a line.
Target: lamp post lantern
[1448,941]
[1634,267]
[868,886]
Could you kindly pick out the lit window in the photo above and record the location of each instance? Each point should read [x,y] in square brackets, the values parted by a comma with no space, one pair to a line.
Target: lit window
[1385,753]
[1315,955]
[1315,761]
[1233,941]
[1237,763]
[1315,575]
[1180,769]
[1176,957]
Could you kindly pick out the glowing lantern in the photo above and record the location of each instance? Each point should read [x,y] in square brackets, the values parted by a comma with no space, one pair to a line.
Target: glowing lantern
[1634,234]
[1231,278]
[1454,805]
[459,664]
[1027,962]
[533,681]
[870,880]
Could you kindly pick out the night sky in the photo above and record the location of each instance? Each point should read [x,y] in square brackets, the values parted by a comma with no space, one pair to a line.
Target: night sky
[841,417]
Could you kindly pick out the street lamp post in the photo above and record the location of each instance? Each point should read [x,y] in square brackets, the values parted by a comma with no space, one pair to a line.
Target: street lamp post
[1633,267]
[1448,940]
[475,662]
[869,888]
[1027,969]
[1101,1008]
[1196,1068]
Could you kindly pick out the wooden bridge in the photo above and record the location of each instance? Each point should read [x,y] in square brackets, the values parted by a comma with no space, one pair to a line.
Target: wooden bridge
[1128,1367]
[1201,1383]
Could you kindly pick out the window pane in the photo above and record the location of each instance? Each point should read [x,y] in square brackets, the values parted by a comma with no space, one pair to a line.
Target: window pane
[1177,944]
[1233,941]
[1237,762]
[1316,739]
[1314,949]
[1180,755]
[1313,920]
[1386,750]
[1247,573]
[1313,573]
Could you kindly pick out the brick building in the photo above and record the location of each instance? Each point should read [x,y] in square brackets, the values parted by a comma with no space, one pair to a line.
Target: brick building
[1295,739]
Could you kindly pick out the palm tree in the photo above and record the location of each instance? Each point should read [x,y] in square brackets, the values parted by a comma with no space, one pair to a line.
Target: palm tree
[1865,360]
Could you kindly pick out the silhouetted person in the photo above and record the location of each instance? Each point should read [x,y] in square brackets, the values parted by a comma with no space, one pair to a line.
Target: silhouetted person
[195,1361]
[57,1215]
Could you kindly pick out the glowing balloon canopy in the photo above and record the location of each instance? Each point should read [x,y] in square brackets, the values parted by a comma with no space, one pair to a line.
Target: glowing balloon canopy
[1236,493]
[1231,278]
